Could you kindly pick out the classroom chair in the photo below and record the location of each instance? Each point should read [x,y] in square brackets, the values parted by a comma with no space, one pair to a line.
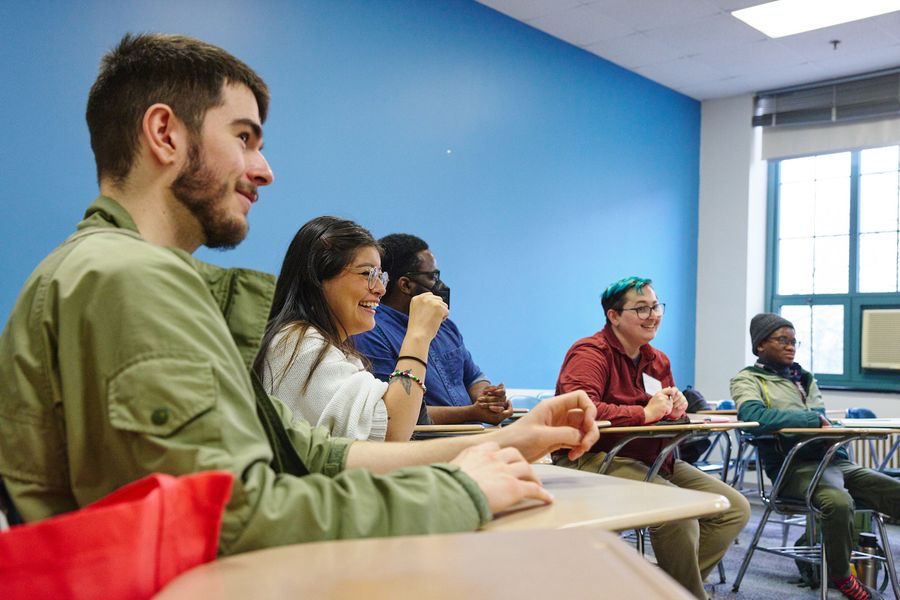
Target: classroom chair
[776,502]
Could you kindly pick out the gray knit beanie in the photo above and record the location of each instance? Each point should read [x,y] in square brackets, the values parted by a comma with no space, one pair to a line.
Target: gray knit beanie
[762,326]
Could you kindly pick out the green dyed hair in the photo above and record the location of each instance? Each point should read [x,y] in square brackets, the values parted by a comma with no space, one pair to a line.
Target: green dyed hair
[614,295]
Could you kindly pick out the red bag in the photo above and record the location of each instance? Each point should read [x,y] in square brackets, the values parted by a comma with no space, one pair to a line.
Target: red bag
[126,545]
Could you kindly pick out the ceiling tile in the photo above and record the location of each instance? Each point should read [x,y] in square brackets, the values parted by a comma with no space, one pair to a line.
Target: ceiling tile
[755,57]
[890,25]
[708,34]
[715,89]
[856,38]
[581,25]
[785,76]
[732,5]
[635,50]
[853,64]
[523,10]
[698,48]
[681,71]
[650,14]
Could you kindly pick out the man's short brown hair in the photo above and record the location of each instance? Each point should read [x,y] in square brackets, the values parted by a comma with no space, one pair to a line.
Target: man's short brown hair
[186,74]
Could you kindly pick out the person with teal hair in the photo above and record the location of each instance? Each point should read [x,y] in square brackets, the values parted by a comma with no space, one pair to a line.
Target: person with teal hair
[614,293]
[630,382]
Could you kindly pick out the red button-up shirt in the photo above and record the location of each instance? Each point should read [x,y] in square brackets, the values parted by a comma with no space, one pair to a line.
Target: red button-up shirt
[599,365]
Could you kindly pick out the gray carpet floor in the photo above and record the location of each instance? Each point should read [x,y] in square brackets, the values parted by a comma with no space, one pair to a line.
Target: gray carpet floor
[769,576]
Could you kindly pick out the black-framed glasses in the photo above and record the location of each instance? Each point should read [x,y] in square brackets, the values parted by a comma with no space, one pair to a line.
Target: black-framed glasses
[784,342]
[432,275]
[643,312]
[374,275]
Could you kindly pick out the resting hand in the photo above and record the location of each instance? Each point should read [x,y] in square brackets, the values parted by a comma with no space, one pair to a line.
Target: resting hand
[489,412]
[679,403]
[565,421]
[659,405]
[494,399]
[502,474]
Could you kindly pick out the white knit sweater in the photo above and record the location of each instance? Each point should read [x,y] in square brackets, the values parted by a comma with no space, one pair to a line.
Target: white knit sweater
[341,395]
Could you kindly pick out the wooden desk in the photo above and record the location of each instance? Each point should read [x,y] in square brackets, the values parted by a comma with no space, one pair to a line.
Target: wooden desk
[887,423]
[422,432]
[567,564]
[839,431]
[588,500]
[653,431]
[426,431]
[724,411]
[677,434]
[841,435]
[705,416]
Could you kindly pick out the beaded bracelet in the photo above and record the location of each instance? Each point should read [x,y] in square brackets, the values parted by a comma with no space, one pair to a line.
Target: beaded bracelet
[407,374]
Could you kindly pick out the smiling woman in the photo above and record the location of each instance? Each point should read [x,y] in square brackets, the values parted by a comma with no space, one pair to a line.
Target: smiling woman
[329,288]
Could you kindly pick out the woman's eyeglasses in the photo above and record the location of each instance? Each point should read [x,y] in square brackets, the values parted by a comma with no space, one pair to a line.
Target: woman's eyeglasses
[374,275]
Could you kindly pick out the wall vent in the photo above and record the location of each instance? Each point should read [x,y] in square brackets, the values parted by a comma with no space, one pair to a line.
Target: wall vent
[880,339]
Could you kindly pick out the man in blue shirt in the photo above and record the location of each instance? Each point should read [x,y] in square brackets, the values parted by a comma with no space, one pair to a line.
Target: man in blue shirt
[458,392]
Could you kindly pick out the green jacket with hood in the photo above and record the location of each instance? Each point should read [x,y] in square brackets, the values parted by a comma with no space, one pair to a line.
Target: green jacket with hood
[122,358]
[775,403]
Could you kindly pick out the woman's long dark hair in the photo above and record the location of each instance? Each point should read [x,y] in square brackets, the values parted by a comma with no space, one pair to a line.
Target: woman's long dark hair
[320,251]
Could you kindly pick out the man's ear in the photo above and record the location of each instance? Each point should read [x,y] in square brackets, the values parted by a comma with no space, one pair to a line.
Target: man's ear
[164,134]
[405,285]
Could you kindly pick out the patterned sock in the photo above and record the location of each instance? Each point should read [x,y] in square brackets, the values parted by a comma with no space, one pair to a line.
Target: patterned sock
[852,588]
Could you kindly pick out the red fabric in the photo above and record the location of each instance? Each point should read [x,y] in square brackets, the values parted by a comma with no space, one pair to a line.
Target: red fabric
[599,366]
[127,545]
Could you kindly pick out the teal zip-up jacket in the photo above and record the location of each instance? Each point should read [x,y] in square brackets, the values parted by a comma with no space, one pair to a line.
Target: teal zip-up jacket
[122,358]
[775,403]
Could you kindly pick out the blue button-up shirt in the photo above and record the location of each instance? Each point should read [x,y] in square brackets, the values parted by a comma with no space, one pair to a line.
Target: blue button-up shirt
[451,370]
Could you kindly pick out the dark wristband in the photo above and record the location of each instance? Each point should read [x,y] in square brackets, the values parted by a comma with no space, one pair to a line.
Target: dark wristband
[415,358]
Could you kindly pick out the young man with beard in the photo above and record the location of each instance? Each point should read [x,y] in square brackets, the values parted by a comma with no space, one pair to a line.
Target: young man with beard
[777,393]
[631,383]
[124,355]
[457,390]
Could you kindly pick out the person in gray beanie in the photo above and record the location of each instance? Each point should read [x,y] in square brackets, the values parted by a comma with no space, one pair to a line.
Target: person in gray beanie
[763,325]
[776,392]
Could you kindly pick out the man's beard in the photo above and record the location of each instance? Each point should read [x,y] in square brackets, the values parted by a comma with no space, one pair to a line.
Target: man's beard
[197,188]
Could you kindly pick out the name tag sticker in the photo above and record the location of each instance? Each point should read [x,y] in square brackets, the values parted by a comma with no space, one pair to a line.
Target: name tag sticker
[651,384]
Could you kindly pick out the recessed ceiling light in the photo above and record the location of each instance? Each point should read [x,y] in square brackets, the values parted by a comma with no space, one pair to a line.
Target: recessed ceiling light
[787,17]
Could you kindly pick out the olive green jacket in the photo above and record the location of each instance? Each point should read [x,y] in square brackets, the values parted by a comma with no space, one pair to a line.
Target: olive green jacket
[775,403]
[122,358]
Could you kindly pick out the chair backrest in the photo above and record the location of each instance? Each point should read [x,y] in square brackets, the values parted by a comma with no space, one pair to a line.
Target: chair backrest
[860,413]
[521,401]
[695,400]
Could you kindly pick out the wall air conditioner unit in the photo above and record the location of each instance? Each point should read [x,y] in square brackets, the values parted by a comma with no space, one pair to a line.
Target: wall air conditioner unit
[881,339]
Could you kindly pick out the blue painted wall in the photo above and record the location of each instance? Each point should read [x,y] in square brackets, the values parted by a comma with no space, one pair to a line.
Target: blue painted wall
[537,172]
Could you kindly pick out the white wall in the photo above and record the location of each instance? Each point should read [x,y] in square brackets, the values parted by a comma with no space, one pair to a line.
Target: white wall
[884,405]
[731,250]
[731,242]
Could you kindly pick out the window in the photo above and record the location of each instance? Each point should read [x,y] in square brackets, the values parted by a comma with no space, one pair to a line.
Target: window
[834,231]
